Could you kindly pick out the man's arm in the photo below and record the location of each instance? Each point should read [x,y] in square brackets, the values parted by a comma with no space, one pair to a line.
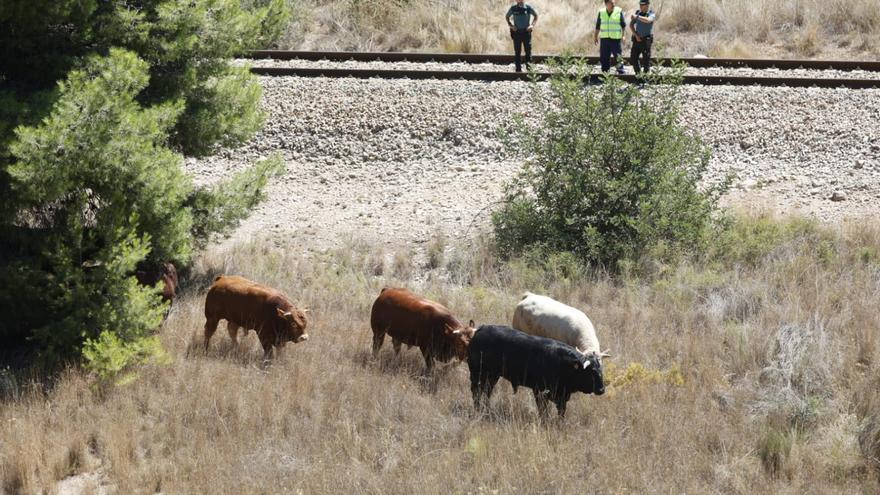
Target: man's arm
[507,17]
[535,20]
[645,19]
[632,27]
[598,27]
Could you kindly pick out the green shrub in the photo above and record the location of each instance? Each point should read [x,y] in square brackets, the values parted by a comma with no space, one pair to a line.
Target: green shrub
[774,450]
[111,358]
[275,17]
[610,173]
[749,240]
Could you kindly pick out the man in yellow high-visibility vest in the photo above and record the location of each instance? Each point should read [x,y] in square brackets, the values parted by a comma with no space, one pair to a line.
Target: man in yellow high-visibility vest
[610,26]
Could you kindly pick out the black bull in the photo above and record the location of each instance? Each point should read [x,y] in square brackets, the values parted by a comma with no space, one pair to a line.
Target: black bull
[552,369]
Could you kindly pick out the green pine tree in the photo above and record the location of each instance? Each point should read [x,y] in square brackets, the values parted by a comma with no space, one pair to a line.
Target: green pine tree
[99,102]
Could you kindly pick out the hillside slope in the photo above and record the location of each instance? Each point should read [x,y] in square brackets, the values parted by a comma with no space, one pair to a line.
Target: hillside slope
[732,28]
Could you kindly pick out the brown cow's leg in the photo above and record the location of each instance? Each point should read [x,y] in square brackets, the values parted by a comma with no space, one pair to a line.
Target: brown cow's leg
[396,343]
[268,345]
[232,328]
[210,328]
[378,339]
[429,360]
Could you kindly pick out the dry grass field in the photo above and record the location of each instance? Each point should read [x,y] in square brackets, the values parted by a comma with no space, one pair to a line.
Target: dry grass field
[720,28]
[753,371]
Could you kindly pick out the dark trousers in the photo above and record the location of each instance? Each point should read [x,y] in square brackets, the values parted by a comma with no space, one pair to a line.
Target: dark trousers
[609,49]
[641,50]
[521,38]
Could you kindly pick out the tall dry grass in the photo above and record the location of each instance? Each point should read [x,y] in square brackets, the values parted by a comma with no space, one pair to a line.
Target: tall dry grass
[753,371]
[745,28]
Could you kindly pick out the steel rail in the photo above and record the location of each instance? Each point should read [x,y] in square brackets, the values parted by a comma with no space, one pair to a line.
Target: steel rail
[794,82]
[499,59]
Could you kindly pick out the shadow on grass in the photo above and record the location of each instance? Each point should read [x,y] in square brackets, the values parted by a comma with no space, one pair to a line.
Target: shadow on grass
[408,364]
[506,408]
[224,350]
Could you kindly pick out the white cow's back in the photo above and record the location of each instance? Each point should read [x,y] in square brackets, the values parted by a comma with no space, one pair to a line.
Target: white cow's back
[546,317]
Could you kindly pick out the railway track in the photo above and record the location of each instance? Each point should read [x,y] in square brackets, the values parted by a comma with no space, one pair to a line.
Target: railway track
[499,59]
[496,75]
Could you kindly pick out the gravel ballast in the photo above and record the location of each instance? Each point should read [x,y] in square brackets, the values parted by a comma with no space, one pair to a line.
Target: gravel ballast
[395,162]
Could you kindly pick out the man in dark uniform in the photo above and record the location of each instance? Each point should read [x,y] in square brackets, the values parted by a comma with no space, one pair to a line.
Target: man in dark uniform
[642,26]
[610,26]
[521,27]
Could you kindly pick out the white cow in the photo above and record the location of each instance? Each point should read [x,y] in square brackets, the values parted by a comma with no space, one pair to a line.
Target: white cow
[546,317]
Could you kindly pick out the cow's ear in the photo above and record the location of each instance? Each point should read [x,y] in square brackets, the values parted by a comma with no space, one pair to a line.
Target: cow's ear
[305,310]
[472,324]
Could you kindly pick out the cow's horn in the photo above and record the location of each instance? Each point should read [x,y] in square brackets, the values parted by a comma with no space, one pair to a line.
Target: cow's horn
[580,351]
[305,310]
[604,353]
[586,363]
[456,332]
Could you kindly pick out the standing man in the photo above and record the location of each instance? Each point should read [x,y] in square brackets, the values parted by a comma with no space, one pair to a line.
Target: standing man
[521,30]
[642,25]
[610,26]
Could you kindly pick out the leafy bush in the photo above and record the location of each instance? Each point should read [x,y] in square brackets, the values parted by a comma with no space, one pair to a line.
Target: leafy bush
[609,174]
[774,450]
[749,240]
[109,357]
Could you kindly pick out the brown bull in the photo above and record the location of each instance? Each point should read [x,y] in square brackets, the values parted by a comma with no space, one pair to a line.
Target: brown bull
[246,304]
[415,321]
[165,273]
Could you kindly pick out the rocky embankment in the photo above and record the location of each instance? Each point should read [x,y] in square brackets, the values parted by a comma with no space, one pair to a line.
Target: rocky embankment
[394,162]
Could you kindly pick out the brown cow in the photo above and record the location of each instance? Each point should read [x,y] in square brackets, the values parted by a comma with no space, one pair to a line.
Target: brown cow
[252,306]
[166,273]
[416,321]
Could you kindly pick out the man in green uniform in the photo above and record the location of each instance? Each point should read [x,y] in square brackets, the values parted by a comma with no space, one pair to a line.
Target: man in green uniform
[519,19]
[642,26]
